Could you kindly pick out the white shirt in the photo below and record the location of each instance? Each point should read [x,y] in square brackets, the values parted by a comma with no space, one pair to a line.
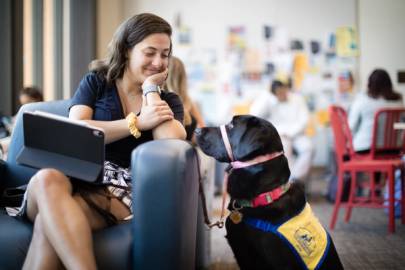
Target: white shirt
[361,118]
[289,118]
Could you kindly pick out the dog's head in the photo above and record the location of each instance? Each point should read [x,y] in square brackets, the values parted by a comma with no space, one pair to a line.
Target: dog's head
[249,137]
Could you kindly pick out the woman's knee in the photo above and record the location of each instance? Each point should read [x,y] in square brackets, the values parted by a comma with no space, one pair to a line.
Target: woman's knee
[48,185]
[47,181]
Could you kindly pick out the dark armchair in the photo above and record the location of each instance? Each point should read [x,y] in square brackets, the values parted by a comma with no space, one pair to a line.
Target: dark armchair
[162,234]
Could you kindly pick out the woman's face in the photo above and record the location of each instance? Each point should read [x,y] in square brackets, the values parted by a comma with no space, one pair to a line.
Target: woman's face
[148,57]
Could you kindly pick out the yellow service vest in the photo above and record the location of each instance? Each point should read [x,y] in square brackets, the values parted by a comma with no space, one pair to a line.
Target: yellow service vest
[304,234]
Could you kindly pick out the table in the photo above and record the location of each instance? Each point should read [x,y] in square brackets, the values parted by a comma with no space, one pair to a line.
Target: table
[399,125]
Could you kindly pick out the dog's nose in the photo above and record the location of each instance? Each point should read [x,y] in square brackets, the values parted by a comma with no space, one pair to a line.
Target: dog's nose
[197,131]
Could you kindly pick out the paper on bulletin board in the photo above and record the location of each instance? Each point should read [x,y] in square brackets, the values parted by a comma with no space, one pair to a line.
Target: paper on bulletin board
[346,42]
[301,66]
[236,38]
[184,35]
[253,61]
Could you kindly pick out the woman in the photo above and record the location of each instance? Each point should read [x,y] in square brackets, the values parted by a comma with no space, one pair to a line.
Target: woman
[121,95]
[177,82]
[380,94]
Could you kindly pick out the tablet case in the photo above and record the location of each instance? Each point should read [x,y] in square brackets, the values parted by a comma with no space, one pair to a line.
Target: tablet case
[71,146]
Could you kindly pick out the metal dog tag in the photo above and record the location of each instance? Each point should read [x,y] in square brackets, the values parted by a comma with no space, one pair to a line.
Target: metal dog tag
[236,216]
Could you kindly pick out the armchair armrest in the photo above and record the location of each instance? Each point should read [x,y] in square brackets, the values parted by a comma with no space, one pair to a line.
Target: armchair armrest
[2,172]
[165,204]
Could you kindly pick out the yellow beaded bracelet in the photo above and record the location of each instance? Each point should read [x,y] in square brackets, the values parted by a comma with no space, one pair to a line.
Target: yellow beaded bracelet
[131,120]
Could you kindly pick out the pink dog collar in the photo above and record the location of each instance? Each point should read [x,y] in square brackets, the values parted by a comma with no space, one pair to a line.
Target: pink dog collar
[256,160]
[242,164]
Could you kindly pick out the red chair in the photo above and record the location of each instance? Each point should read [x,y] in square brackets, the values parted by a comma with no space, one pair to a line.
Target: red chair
[375,162]
[387,142]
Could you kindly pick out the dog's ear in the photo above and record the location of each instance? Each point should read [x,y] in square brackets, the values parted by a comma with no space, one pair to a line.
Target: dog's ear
[251,136]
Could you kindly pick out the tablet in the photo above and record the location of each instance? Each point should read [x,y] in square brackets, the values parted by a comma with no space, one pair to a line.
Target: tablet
[71,146]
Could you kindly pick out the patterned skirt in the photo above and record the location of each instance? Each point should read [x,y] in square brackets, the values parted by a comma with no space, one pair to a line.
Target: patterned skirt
[116,184]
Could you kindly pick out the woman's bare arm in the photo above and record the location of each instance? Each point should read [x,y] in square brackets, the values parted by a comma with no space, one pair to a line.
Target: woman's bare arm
[169,129]
[156,116]
[113,130]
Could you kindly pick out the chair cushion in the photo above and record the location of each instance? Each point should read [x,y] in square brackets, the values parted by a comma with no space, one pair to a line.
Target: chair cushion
[112,246]
[15,237]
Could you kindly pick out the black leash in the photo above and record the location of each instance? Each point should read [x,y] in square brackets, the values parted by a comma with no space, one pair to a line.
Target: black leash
[207,221]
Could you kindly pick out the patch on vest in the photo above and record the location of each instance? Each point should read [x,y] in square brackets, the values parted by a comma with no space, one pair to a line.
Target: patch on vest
[306,241]
[307,236]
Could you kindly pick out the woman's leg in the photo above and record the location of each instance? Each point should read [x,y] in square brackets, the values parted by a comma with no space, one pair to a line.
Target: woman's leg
[65,221]
[41,255]
[62,222]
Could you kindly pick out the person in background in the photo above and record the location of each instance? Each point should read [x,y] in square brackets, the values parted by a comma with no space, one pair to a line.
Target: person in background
[27,95]
[177,82]
[121,95]
[379,94]
[361,114]
[289,113]
[345,92]
[30,94]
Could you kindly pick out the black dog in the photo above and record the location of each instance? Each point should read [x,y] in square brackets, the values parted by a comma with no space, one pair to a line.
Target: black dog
[274,234]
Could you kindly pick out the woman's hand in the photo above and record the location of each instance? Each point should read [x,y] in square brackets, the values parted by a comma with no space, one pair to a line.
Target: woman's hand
[156,79]
[153,114]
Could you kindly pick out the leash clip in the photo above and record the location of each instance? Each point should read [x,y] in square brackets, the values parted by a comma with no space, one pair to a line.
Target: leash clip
[219,224]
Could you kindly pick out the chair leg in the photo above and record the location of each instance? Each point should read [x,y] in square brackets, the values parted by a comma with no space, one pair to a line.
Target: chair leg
[372,187]
[337,200]
[403,195]
[352,194]
[391,201]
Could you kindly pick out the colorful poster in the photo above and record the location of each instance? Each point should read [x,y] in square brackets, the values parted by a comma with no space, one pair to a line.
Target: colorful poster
[347,42]
[184,35]
[236,38]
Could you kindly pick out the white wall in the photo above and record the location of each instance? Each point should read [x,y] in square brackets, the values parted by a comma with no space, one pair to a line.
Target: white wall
[381,24]
[209,19]
[382,38]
